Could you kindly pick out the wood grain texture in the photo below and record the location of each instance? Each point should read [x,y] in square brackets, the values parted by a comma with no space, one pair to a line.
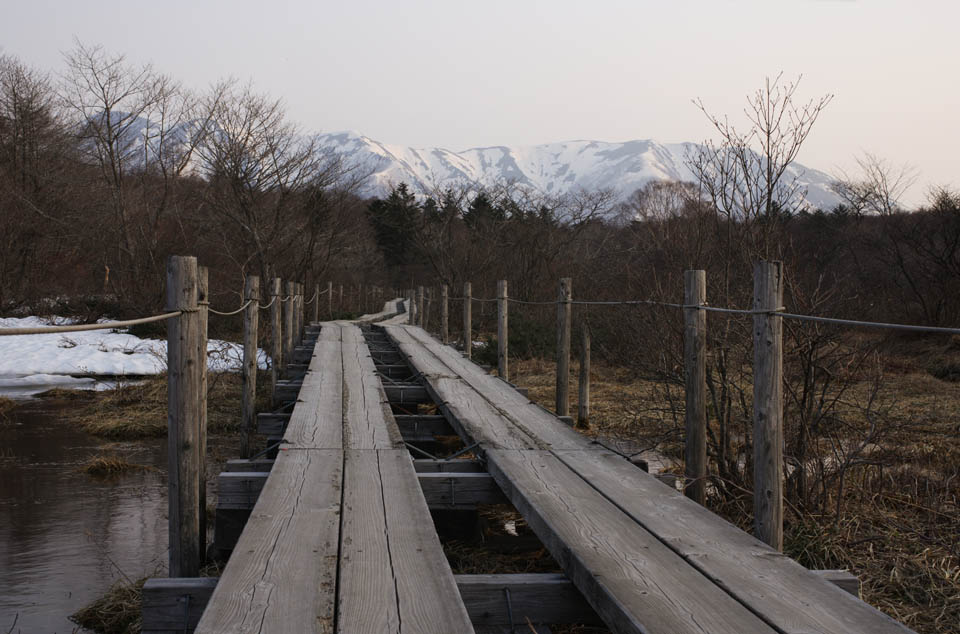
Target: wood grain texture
[368,423]
[787,595]
[184,385]
[426,591]
[251,317]
[564,324]
[452,490]
[768,404]
[317,419]
[283,571]
[695,384]
[634,582]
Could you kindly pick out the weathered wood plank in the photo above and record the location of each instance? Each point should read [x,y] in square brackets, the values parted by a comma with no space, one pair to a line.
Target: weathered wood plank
[423,426]
[426,590]
[272,424]
[537,598]
[240,489]
[368,423]
[317,419]
[531,420]
[366,597]
[282,574]
[768,582]
[634,582]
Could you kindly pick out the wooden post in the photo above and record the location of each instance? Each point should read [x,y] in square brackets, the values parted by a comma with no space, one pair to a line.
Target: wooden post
[467,320]
[695,381]
[768,403]
[503,334]
[276,328]
[444,314]
[426,312]
[316,303]
[183,416]
[341,298]
[420,306]
[203,303]
[583,402]
[301,314]
[329,300]
[411,308]
[291,290]
[564,310]
[248,412]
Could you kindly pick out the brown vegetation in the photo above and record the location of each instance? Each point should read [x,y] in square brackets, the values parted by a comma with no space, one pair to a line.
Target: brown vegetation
[109,464]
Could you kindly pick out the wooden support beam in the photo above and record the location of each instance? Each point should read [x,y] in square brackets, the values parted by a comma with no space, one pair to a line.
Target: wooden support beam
[251,316]
[395,370]
[564,317]
[768,403]
[421,428]
[695,381]
[459,490]
[467,320]
[288,321]
[183,404]
[175,605]
[444,314]
[537,598]
[503,332]
[243,464]
[203,303]
[426,465]
[404,395]
[272,424]
[287,390]
[843,579]
[239,490]
[276,337]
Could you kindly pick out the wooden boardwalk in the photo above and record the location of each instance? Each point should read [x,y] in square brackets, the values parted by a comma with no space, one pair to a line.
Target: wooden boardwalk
[340,537]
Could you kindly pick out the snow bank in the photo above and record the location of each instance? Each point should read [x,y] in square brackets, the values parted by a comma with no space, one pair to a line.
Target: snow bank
[55,359]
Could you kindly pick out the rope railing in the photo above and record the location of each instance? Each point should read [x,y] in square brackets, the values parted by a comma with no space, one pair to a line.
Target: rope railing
[107,325]
[232,312]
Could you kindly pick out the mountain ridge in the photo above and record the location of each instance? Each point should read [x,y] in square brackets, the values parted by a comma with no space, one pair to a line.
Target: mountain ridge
[550,168]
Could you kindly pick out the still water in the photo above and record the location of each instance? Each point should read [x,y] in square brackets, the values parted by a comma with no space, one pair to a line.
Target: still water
[66,537]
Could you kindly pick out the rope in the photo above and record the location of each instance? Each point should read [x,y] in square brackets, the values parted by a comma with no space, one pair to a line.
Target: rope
[268,305]
[520,301]
[44,330]
[870,324]
[232,312]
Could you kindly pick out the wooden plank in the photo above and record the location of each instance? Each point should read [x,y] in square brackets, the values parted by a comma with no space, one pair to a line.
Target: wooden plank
[366,596]
[459,490]
[633,581]
[282,575]
[695,384]
[170,606]
[426,590]
[537,598]
[527,419]
[368,423]
[768,582]
[317,419]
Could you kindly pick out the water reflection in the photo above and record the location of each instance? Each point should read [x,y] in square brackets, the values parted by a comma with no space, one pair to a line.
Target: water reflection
[64,536]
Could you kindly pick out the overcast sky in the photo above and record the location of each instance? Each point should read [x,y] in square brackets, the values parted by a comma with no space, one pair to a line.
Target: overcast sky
[466,74]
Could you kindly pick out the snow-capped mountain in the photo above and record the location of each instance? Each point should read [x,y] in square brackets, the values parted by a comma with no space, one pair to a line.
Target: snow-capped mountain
[551,168]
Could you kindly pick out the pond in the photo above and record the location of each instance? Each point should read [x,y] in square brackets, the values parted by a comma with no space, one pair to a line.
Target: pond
[66,537]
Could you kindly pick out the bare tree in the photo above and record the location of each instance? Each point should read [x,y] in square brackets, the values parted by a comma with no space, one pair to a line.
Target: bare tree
[745,175]
[138,128]
[877,189]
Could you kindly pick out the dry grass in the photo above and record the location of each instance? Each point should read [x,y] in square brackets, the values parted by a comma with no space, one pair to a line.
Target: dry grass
[107,465]
[116,612]
[139,410]
[898,526]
